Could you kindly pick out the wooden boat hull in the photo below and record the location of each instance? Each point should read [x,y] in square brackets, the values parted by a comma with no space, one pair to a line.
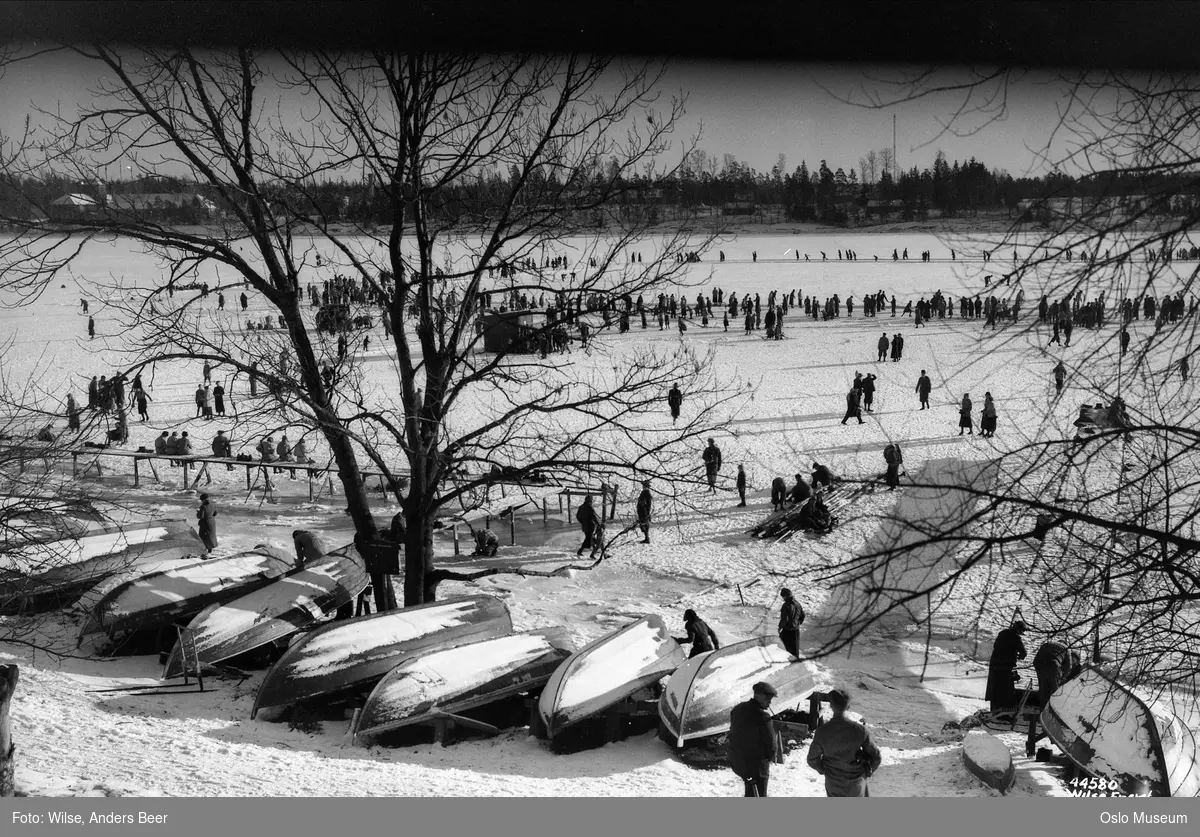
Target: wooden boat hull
[277,610]
[356,653]
[157,598]
[1110,731]
[452,680]
[703,691]
[607,671]
[61,571]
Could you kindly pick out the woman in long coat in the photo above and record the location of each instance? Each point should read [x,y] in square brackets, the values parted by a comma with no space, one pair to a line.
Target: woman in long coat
[1002,667]
[964,415]
[207,525]
[987,420]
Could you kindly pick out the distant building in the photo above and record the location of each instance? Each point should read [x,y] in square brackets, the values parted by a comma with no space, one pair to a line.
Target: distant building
[75,207]
[163,206]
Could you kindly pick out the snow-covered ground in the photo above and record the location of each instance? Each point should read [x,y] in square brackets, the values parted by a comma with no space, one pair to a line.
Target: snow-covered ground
[74,741]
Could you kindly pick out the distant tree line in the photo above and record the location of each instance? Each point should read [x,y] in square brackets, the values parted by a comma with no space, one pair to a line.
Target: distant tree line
[703,184]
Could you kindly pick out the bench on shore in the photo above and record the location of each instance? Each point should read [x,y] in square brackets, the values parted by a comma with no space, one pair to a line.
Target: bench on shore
[92,456]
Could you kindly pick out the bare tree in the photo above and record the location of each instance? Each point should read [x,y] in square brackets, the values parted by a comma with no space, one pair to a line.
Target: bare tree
[258,132]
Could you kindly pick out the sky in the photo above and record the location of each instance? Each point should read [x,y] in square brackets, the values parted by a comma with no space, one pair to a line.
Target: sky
[756,110]
[753,110]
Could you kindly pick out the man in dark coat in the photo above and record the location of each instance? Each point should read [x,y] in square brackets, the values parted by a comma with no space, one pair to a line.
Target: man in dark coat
[1002,667]
[868,391]
[1055,664]
[791,617]
[924,387]
[674,401]
[751,741]
[699,634]
[800,491]
[590,522]
[1060,377]
[894,459]
[853,406]
[207,525]
[822,477]
[882,346]
[778,493]
[741,485]
[842,751]
[643,511]
[219,398]
[712,464]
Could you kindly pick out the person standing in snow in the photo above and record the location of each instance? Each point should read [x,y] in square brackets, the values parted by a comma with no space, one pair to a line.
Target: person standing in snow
[964,415]
[791,617]
[741,486]
[1060,377]
[987,420]
[751,740]
[699,634]
[674,401]
[712,464]
[643,511]
[207,524]
[589,521]
[924,387]
[1002,667]
[842,751]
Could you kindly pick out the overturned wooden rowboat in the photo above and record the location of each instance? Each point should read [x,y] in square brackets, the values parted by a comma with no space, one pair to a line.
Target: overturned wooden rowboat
[161,590]
[354,654]
[54,574]
[444,682]
[703,691]
[289,604]
[607,671]
[1112,732]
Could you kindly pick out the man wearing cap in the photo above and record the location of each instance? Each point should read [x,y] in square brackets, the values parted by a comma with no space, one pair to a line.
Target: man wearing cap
[1002,667]
[842,751]
[751,741]
[791,617]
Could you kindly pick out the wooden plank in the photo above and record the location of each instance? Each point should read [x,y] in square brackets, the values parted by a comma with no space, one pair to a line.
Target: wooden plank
[464,721]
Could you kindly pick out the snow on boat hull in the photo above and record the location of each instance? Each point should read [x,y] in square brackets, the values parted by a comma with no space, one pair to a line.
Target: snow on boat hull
[703,691]
[1108,730]
[275,611]
[356,653]
[452,680]
[63,570]
[607,671]
[88,601]
[156,598]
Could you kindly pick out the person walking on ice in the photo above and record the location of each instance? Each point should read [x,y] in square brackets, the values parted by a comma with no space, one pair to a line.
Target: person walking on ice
[987,419]
[741,486]
[712,464]
[589,521]
[643,511]
[674,401]
[1060,377]
[964,415]
[882,347]
[924,387]
[791,617]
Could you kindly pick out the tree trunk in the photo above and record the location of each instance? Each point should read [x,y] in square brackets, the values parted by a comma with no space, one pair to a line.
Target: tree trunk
[420,587]
[8,761]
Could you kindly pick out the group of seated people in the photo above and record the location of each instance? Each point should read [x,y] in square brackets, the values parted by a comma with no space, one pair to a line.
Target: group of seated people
[813,513]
